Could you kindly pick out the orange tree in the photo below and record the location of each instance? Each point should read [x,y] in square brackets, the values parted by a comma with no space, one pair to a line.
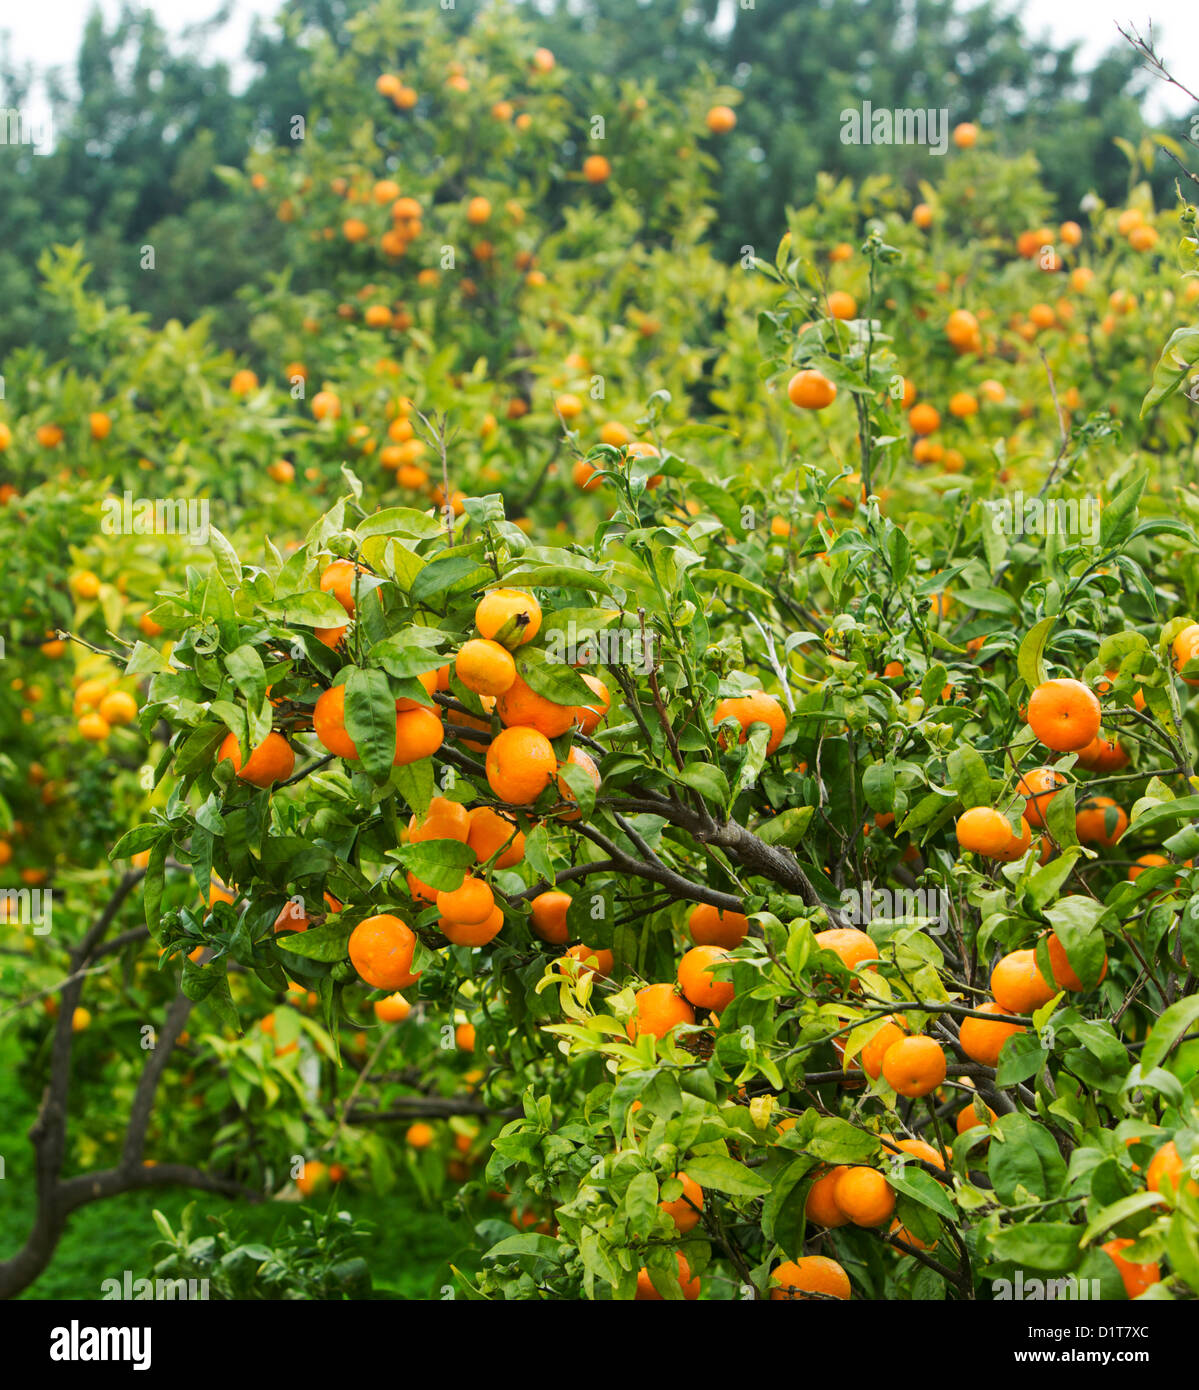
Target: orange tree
[693,875]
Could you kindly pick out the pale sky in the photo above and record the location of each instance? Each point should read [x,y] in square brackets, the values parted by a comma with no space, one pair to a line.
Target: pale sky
[48,33]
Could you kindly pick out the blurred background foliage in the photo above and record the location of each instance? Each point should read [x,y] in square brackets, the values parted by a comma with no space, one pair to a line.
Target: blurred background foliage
[143,120]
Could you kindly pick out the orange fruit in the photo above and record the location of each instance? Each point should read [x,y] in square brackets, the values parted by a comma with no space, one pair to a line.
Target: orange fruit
[464,1036]
[521,705]
[982,1039]
[961,328]
[986,831]
[710,926]
[748,710]
[965,135]
[485,667]
[1143,862]
[99,424]
[473,933]
[596,168]
[467,905]
[700,987]
[811,390]
[549,916]
[1063,973]
[967,1119]
[721,119]
[444,820]
[1100,821]
[924,418]
[853,946]
[1063,714]
[1136,1278]
[922,216]
[871,1056]
[1038,786]
[326,405]
[520,765]
[1166,1171]
[119,707]
[690,1287]
[338,579]
[842,305]
[243,382]
[591,715]
[656,1010]
[917,1148]
[394,1009]
[272,761]
[490,833]
[821,1207]
[795,1279]
[420,1135]
[914,1066]
[577,758]
[685,1210]
[478,210]
[864,1196]
[381,949]
[1017,984]
[593,960]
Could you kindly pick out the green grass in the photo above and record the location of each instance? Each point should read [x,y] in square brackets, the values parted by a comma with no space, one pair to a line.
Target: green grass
[409,1251]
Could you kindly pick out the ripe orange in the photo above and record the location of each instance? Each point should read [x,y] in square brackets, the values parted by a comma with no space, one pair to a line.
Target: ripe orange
[1166,1171]
[917,1148]
[923,418]
[721,119]
[685,1210]
[272,761]
[338,579]
[967,1119]
[690,1287]
[1063,973]
[981,1040]
[467,905]
[490,833]
[656,1010]
[1018,845]
[596,168]
[485,667]
[1063,714]
[118,707]
[420,1135]
[811,390]
[84,584]
[381,949]
[243,382]
[394,1009]
[1100,821]
[99,424]
[444,820]
[914,1066]
[755,708]
[871,1056]
[965,135]
[1039,786]
[1136,1278]
[922,216]
[853,946]
[549,916]
[593,960]
[473,933]
[478,210]
[520,765]
[821,1205]
[962,404]
[326,405]
[864,1196]
[699,985]
[842,305]
[961,328]
[985,831]
[710,926]
[591,715]
[795,1279]
[1017,984]
[521,705]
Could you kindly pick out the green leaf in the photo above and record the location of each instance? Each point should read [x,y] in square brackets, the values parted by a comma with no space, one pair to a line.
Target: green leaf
[442,864]
[1030,661]
[1024,1160]
[1050,1245]
[1120,513]
[723,1174]
[1174,1024]
[788,828]
[707,779]
[1179,356]
[449,574]
[328,942]
[370,714]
